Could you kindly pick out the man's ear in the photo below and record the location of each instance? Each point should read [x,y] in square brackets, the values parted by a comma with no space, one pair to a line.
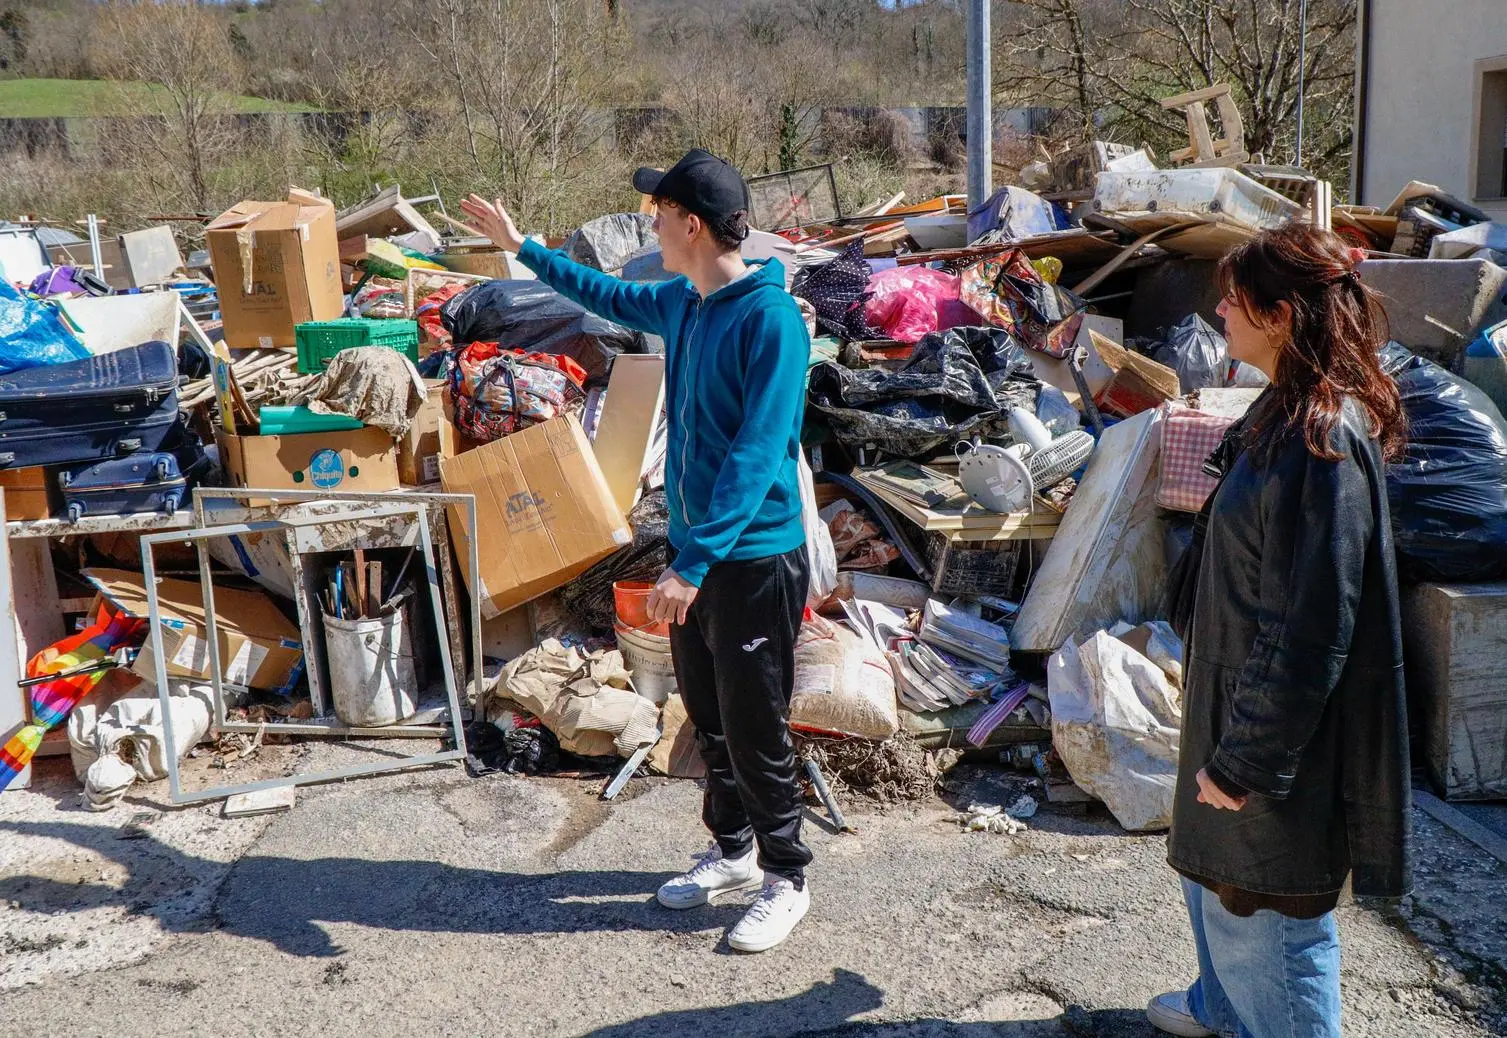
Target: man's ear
[695,226]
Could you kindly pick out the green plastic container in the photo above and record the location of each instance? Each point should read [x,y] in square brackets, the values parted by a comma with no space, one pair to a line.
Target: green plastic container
[318,341]
[289,421]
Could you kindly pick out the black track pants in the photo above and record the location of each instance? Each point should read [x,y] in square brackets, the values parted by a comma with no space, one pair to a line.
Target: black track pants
[735,663]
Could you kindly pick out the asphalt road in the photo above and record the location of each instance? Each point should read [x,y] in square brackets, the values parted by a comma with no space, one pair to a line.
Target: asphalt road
[429,903]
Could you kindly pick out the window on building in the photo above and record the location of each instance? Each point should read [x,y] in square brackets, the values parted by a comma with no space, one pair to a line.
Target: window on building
[1491,128]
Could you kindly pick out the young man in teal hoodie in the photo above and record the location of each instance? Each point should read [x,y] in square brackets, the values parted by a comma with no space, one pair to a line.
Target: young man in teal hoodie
[736,350]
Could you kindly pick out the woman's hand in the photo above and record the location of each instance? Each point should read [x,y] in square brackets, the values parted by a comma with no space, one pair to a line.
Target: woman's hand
[492,220]
[671,599]
[1210,793]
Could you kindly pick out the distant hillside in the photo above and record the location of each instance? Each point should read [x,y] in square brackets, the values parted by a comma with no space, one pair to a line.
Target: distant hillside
[74,98]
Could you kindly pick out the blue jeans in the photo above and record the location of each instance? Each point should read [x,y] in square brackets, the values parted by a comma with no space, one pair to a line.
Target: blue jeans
[1267,976]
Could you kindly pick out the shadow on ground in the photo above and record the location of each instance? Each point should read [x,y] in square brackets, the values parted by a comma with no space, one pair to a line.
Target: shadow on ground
[826,1010]
[285,902]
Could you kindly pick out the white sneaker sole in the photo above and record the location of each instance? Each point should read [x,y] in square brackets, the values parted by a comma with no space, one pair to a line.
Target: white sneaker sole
[764,943]
[1176,1023]
[706,896]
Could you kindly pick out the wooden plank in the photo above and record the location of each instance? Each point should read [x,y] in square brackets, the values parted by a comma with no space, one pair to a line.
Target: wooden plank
[14,710]
[1197,97]
[625,431]
[970,524]
[1198,132]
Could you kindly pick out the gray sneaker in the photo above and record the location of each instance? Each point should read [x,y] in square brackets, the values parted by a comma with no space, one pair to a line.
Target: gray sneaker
[1170,1013]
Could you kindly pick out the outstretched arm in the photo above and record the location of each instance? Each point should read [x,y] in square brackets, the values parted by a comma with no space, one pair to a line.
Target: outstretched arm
[630,303]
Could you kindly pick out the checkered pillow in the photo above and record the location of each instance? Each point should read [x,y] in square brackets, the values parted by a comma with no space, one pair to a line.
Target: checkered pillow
[1188,438]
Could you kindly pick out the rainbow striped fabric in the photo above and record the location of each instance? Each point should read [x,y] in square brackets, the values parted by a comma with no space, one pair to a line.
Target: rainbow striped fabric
[51,701]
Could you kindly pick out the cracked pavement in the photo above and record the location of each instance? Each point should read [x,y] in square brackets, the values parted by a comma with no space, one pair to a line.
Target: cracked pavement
[427,902]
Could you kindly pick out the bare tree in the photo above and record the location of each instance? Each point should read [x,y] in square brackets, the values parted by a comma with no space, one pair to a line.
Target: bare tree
[1108,67]
[183,50]
[524,75]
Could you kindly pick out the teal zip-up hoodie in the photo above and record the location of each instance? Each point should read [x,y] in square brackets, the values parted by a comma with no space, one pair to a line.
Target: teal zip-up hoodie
[735,377]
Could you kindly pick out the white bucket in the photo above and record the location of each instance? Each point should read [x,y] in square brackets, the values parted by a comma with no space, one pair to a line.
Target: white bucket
[372,676]
[648,657]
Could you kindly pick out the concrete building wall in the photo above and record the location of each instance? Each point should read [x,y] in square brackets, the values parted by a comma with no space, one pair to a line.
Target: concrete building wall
[1420,112]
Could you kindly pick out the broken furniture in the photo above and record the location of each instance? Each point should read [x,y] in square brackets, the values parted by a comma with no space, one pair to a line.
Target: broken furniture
[1204,150]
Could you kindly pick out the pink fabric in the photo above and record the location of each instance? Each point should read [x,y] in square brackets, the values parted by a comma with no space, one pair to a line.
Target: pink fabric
[906,303]
[1188,438]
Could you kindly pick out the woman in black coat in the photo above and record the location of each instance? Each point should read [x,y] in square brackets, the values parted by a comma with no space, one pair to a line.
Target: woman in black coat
[1294,768]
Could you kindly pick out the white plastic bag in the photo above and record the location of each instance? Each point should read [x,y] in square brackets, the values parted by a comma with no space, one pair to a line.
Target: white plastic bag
[819,551]
[130,741]
[1116,722]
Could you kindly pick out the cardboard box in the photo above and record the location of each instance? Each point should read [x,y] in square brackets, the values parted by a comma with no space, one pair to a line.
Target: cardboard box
[1138,384]
[355,459]
[28,493]
[259,646]
[151,255]
[276,265]
[547,511]
[431,438]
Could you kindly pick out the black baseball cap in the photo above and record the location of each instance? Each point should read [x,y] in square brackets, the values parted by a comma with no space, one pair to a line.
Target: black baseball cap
[701,182]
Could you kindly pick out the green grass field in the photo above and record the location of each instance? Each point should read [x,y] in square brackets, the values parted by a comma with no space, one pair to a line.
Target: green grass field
[65,98]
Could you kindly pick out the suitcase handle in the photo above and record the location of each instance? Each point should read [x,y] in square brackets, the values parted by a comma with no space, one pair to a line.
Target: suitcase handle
[130,446]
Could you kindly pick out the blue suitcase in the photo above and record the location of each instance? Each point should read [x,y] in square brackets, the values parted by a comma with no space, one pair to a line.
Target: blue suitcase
[89,410]
[151,481]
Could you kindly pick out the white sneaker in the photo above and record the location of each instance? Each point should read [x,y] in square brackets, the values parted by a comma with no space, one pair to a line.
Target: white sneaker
[712,877]
[770,919]
[1170,1013]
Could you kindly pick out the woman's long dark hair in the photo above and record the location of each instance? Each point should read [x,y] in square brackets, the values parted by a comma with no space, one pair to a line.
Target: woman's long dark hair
[1338,326]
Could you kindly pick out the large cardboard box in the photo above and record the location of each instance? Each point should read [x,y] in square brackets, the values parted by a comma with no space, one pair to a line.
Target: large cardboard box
[431,438]
[259,646]
[276,265]
[547,512]
[354,459]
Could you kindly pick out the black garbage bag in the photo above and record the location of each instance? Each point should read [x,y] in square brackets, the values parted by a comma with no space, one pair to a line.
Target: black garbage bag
[529,315]
[519,751]
[608,242]
[1198,354]
[957,384]
[1448,496]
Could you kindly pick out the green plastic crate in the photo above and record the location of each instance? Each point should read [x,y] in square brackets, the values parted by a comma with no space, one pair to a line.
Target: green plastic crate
[318,341]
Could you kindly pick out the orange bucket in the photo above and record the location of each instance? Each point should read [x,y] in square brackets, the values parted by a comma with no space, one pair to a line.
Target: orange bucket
[630,599]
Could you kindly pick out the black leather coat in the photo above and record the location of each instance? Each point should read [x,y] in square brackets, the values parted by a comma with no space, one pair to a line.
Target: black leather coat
[1294,679]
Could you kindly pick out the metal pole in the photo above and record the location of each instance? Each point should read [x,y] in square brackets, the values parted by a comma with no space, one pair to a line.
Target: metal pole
[1302,71]
[980,109]
[94,253]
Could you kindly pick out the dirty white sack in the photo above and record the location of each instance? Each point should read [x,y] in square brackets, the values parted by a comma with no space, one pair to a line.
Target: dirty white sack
[1116,720]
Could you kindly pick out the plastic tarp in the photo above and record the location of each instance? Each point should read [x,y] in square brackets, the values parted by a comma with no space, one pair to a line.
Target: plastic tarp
[608,242]
[956,385]
[1448,495]
[531,316]
[1015,211]
[1116,721]
[906,303]
[32,334]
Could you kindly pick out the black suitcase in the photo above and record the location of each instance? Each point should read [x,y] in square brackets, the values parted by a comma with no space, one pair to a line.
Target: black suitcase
[151,481]
[101,407]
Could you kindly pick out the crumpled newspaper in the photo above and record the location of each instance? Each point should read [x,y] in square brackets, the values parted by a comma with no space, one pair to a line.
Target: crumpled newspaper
[992,818]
